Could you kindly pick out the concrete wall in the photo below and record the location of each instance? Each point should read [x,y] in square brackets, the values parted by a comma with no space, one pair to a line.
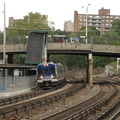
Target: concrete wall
[13,84]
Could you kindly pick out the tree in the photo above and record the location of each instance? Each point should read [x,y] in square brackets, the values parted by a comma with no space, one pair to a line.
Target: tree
[19,59]
[32,21]
[92,31]
[116,26]
[1,37]
[100,61]
[112,37]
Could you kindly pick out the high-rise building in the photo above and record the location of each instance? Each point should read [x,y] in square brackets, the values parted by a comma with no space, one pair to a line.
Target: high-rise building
[69,26]
[102,21]
[11,20]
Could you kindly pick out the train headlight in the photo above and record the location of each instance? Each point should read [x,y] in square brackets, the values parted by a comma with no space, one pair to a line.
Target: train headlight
[45,64]
[52,76]
[41,77]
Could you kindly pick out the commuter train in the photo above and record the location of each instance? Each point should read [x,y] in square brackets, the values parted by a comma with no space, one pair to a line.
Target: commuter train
[50,74]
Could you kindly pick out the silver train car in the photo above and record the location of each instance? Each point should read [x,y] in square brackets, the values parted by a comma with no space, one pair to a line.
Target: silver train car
[50,74]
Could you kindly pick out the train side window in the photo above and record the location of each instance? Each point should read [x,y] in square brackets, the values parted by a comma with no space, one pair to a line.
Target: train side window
[60,69]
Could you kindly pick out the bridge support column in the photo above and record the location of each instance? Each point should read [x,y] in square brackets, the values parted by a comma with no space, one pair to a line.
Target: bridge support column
[118,66]
[90,70]
[44,55]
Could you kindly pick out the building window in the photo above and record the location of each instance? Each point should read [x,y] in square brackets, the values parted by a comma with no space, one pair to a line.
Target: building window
[116,17]
[90,16]
[107,28]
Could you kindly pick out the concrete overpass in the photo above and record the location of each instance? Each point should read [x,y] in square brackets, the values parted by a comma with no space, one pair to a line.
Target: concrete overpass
[68,48]
[78,48]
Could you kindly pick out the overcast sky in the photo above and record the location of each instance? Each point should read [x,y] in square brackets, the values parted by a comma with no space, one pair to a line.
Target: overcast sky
[58,11]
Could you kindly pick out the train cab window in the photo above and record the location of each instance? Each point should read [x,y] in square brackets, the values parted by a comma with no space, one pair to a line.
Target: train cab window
[40,71]
[45,71]
[52,70]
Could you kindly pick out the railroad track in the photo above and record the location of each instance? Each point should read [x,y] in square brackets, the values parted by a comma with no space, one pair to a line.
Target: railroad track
[26,96]
[112,110]
[14,108]
[82,110]
[88,112]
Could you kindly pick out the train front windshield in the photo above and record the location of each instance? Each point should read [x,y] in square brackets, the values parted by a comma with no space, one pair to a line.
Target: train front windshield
[46,71]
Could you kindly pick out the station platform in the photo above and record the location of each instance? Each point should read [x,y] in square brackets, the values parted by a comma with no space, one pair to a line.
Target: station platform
[16,79]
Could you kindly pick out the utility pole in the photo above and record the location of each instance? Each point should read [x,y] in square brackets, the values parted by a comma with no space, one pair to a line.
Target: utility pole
[87,23]
[4,45]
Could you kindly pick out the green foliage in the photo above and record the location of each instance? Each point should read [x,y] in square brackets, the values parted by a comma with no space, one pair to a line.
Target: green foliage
[116,26]
[71,61]
[19,59]
[79,61]
[114,63]
[102,61]
[92,31]
[1,37]
[32,21]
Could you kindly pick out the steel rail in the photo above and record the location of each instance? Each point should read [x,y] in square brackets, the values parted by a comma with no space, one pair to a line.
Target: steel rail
[115,116]
[39,101]
[82,109]
[26,96]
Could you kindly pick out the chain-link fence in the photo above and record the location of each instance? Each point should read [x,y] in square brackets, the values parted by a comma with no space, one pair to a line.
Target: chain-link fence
[115,40]
[14,40]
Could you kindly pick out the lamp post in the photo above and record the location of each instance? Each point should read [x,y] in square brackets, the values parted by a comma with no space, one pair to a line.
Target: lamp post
[87,23]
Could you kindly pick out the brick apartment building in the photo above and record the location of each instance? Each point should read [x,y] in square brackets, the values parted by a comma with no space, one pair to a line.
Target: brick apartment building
[102,21]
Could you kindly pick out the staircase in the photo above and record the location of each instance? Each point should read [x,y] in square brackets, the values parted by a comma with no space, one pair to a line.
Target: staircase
[35,46]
